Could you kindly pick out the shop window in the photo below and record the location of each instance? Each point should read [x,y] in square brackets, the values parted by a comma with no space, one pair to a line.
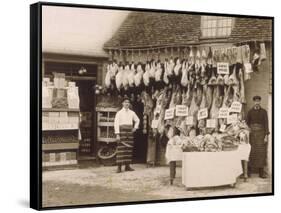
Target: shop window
[216,26]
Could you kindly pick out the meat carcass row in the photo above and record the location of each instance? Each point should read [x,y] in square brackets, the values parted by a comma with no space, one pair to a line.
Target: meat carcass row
[184,77]
[152,69]
[146,75]
[119,77]
[138,75]
[158,72]
[165,76]
[131,75]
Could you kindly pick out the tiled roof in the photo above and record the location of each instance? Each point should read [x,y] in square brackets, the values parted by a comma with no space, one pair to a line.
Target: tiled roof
[152,29]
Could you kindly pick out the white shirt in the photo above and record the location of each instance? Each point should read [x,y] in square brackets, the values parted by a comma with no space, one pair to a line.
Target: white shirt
[125,117]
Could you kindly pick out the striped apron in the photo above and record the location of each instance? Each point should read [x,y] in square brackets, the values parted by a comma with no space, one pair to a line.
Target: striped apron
[258,147]
[124,151]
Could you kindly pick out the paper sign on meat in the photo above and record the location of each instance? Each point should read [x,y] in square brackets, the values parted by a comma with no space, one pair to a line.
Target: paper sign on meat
[181,110]
[202,113]
[223,68]
[235,107]
[169,113]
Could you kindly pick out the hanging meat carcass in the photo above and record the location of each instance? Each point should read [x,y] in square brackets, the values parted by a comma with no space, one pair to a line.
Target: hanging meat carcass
[146,74]
[152,69]
[213,79]
[184,77]
[232,80]
[242,87]
[199,95]
[131,75]
[125,79]
[203,104]
[170,67]
[158,72]
[119,77]
[107,81]
[177,67]
[193,109]
[209,96]
[138,75]
[165,76]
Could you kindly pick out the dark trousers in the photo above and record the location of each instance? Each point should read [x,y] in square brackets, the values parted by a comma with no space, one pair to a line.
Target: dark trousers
[173,167]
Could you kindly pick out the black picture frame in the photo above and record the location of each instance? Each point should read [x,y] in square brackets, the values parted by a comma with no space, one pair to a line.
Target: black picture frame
[36,104]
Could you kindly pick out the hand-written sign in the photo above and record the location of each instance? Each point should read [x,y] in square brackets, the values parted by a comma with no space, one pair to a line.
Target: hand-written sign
[202,113]
[223,68]
[232,118]
[248,67]
[169,113]
[181,110]
[223,112]
[189,120]
[222,128]
[235,107]
[154,123]
[211,123]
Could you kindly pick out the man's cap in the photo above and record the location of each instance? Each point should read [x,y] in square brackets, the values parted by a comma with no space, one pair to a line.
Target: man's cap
[256,97]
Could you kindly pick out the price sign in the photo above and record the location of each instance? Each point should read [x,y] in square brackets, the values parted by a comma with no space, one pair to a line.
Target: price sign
[181,110]
[189,120]
[169,113]
[223,112]
[232,118]
[211,123]
[202,113]
[248,67]
[223,68]
[154,123]
[235,107]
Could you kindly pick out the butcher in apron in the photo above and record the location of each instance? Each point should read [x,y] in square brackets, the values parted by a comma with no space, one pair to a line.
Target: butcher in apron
[125,124]
[258,123]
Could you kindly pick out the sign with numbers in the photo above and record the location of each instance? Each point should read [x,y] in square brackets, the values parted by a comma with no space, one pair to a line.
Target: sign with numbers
[223,68]
[181,110]
[235,107]
[169,113]
[202,113]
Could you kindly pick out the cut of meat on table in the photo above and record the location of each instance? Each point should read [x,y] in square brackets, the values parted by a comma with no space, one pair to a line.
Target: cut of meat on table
[138,75]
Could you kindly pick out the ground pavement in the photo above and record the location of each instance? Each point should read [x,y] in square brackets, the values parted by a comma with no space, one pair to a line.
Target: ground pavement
[102,185]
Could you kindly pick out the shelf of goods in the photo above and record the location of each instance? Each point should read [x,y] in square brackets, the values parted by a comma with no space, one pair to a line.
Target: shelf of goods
[105,124]
[60,121]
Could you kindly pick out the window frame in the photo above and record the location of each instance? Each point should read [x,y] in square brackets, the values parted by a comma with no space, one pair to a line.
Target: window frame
[205,19]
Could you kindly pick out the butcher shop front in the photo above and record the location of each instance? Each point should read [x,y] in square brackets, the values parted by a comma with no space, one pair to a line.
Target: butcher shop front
[191,80]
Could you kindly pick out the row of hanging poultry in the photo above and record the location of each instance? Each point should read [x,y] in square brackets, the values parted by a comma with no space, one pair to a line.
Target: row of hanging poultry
[192,81]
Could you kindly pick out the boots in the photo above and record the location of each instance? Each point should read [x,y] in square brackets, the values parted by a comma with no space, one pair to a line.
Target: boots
[128,168]
[119,168]
[262,173]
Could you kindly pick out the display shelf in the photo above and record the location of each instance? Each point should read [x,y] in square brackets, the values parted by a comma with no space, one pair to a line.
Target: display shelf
[59,146]
[107,140]
[59,110]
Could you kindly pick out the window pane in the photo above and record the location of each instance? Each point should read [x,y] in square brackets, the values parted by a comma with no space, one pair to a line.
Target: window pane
[220,32]
[229,31]
[213,32]
[229,22]
[213,23]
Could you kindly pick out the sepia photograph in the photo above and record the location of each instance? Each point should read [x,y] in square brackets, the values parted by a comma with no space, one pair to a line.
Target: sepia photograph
[142,105]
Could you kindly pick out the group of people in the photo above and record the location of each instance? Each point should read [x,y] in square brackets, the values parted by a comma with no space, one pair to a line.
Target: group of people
[127,122]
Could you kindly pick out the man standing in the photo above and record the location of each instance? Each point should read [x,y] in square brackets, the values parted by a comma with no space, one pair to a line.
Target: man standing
[125,124]
[258,123]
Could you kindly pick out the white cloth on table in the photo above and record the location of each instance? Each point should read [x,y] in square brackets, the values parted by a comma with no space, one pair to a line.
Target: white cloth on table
[244,151]
[173,149]
[125,117]
[204,169]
